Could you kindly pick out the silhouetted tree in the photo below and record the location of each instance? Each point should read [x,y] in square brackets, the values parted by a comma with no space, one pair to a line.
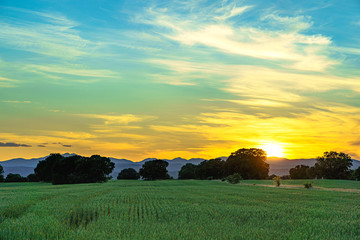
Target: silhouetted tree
[211,169]
[312,172]
[334,165]
[98,168]
[1,174]
[74,169]
[128,173]
[32,178]
[249,163]
[356,174]
[299,172]
[155,169]
[44,169]
[189,171]
[11,177]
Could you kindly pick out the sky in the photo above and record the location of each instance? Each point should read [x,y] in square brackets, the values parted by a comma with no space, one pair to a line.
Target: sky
[165,79]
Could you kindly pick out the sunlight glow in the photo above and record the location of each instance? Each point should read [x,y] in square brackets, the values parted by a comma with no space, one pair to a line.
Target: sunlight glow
[273,149]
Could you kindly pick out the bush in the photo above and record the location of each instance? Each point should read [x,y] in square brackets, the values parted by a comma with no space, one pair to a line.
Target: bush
[271,177]
[308,185]
[234,179]
[11,177]
[128,173]
[285,177]
[276,181]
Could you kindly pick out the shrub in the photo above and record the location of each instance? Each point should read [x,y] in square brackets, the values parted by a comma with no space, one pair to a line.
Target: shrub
[234,179]
[128,173]
[11,177]
[271,176]
[285,177]
[276,181]
[308,185]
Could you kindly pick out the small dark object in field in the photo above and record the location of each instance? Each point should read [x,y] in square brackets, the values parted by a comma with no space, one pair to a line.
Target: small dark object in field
[223,179]
[308,185]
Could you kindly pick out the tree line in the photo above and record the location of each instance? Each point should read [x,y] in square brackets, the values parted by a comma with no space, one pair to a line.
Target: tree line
[245,163]
[332,165]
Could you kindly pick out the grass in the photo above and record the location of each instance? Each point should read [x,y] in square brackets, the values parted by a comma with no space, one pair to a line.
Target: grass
[176,210]
[325,183]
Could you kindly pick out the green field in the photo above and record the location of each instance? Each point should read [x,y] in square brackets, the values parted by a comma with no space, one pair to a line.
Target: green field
[176,209]
[325,183]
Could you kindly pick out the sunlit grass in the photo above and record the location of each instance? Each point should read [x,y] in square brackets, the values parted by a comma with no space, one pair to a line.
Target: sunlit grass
[175,210]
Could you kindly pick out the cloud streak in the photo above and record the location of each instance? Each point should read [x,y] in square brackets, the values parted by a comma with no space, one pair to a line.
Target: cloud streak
[50,34]
[123,119]
[11,144]
[287,45]
[7,82]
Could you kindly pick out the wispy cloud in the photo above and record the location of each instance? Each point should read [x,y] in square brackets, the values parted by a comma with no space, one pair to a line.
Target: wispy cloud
[286,45]
[355,143]
[75,135]
[57,71]
[7,82]
[51,34]
[55,143]
[122,119]
[12,101]
[261,103]
[230,11]
[11,144]
[257,83]
[292,24]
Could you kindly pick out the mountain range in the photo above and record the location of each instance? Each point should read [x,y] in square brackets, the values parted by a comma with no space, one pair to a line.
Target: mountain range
[278,166]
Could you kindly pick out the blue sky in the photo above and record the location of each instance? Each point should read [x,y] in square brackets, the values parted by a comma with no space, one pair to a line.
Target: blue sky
[164,79]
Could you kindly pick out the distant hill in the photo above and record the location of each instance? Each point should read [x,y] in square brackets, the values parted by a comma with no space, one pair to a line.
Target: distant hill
[278,166]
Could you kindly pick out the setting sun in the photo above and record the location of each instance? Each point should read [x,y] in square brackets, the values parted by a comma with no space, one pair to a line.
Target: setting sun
[273,150]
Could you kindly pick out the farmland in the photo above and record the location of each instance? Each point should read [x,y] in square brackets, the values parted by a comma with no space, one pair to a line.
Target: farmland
[177,209]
